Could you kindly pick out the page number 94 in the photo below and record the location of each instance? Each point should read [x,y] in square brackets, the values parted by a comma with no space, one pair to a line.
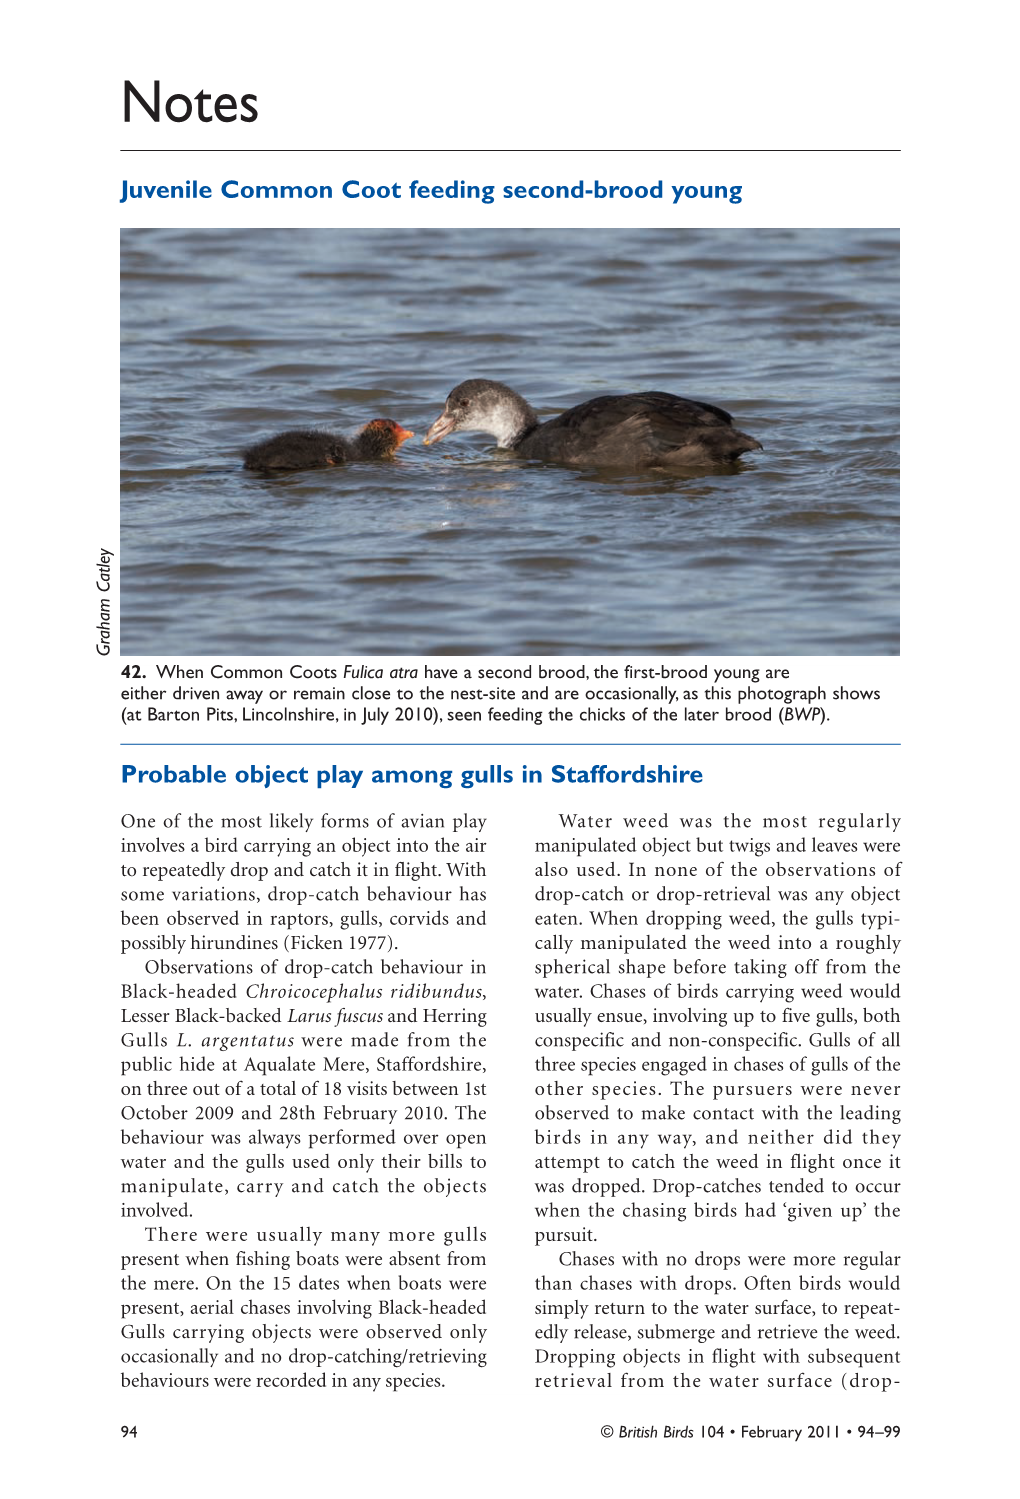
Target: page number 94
[129,1431]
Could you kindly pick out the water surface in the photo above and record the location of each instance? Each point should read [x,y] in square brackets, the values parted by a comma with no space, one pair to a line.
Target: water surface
[228,336]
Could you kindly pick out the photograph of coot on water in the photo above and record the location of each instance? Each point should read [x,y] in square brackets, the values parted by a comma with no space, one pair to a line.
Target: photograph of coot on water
[368,441]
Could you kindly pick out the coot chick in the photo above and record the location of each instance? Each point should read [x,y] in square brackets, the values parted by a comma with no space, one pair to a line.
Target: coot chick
[650,429]
[306,448]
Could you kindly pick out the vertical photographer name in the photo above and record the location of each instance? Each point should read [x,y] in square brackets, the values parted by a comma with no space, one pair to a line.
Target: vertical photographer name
[104,585]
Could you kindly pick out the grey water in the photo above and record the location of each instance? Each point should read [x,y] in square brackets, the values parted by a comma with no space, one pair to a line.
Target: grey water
[231,335]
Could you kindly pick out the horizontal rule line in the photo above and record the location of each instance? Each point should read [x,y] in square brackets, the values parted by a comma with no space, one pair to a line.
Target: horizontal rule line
[513,150]
[510,743]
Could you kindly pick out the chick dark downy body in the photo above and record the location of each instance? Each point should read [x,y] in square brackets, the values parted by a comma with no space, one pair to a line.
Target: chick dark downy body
[310,448]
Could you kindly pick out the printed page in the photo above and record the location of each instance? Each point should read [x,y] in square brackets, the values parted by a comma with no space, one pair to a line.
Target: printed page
[492,928]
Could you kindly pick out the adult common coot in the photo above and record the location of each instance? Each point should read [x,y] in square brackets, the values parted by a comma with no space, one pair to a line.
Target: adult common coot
[306,448]
[650,429]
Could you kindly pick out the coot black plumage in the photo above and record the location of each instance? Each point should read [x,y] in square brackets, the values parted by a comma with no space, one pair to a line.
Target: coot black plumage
[307,448]
[650,429]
